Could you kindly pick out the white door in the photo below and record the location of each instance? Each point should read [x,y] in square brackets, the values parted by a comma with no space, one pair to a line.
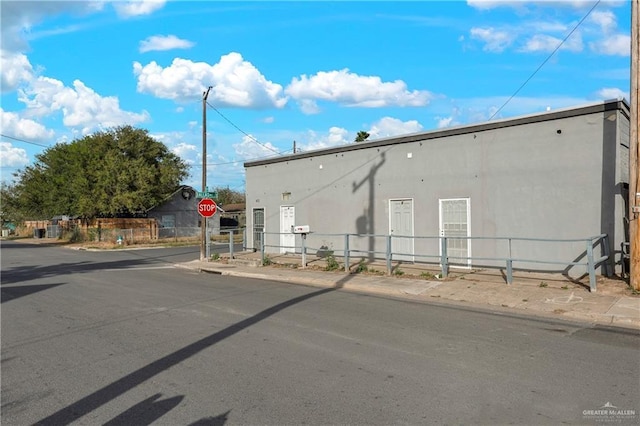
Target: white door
[455,216]
[401,224]
[287,220]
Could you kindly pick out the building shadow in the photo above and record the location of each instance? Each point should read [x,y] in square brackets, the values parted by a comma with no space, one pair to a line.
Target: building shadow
[25,273]
[146,412]
[7,293]
[212,421]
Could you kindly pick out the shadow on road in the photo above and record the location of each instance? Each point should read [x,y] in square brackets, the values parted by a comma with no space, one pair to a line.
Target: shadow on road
[146,412]
[20,274]
[102,396]
[15,292]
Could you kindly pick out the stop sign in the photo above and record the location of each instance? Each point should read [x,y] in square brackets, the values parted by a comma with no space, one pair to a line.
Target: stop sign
[207,207]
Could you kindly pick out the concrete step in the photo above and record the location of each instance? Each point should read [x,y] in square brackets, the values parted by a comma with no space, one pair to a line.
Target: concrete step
[245,262]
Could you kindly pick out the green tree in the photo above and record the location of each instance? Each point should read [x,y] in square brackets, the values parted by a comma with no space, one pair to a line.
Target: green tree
[229,196]
[9,208]
[117,172]
[362,136]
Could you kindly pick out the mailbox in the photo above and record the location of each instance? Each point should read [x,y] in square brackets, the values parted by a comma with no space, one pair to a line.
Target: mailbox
[300,229]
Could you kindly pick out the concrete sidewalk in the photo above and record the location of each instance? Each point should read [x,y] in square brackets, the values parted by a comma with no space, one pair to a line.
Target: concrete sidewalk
[537,294]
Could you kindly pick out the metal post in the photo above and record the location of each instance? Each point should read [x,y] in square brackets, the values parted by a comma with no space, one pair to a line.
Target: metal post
[208,239]
[203,231]
[509,266]
[444,261]
[606,252]
[304,250]
[262,248]
[634,144]
[244,239]
[388,255]
[231,244]
[346,253]
[592,270]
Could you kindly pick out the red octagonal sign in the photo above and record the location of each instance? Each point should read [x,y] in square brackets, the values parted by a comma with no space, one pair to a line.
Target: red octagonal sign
[207,207]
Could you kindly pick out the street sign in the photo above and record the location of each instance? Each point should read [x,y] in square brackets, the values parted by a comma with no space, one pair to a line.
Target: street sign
[206,194]
[207,207]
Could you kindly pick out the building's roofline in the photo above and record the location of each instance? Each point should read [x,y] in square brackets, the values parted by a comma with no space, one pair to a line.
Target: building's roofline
[168,197]
[609,105]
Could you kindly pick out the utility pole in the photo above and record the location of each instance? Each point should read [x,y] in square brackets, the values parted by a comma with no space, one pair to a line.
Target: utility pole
[634,181]
[203,230]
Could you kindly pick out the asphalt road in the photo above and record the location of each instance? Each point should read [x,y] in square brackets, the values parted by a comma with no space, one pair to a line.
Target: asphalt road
[125,338]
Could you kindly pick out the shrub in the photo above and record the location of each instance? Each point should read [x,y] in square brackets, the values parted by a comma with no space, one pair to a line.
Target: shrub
[398,272]
[332,263]
[362,267]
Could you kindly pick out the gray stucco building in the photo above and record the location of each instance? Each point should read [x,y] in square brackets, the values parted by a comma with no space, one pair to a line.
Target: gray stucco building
[178,215]
[561,174]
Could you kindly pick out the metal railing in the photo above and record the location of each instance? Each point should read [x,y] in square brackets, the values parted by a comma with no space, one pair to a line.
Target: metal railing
[437,249]
[232,233]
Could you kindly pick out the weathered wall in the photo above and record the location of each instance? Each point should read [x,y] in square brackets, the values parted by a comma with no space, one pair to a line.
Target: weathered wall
[556,176]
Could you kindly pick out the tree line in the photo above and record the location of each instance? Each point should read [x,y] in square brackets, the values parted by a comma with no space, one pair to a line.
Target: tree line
[121,172]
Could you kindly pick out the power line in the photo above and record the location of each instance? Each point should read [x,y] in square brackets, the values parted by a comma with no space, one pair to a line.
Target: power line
[546,60]
[22,140]
[242,131]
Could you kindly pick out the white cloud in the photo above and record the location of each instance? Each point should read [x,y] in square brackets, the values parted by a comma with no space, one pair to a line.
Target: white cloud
[189,153]
[11,156]
[248,149]
[19,18]
[23,128]
[615,45]
[16,69]
[605,19]
[309,106]
[336,136]
[546,43]
[607,93]
[127,9]
[82,108]
[236,82]
[169,42]
[444,122]
[353,90]
[522,4]
[389,126]
[495,40]
[268,120]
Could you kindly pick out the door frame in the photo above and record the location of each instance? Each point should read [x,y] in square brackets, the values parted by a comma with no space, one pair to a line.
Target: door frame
[441,232]
[253,225]
[412,250]
[286,248]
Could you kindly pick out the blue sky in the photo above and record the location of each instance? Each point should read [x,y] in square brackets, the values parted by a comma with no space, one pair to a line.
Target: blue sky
[311,72]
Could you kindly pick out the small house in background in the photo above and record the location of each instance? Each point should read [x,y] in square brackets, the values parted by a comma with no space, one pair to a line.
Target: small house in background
[178,215]
[233,216]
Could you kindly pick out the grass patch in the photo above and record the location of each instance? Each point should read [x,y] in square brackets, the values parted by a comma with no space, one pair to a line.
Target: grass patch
[543,284]
[398,272]
[267,261]
[332,263]
[362,267]
[215,257]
